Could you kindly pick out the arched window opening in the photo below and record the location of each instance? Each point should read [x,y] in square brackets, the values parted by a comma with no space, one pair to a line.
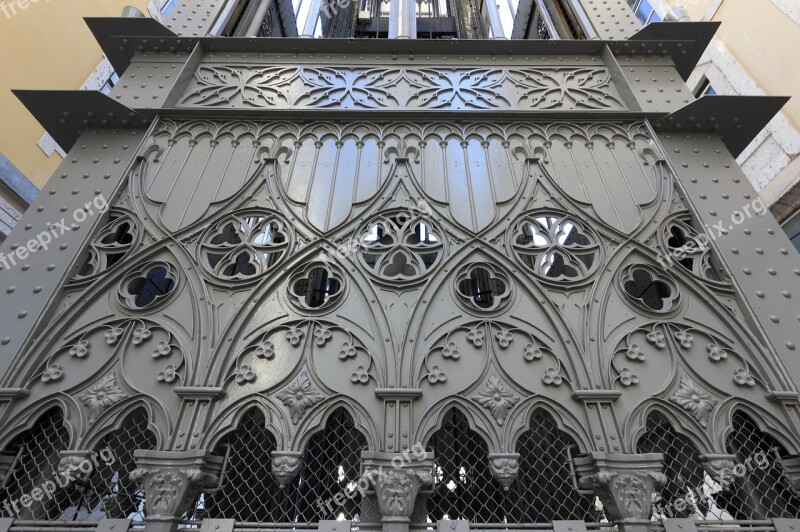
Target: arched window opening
[330,466]
[762,490]
[689,491]
[247,491]
[34,460]
[108,492]
[463,487]
[543,491]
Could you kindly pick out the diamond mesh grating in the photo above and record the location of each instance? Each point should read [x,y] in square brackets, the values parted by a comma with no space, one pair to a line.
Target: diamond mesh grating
[110,492]
[764,491]
[106,492]
[36,462]
[759,487]
[465,489]
[248,493]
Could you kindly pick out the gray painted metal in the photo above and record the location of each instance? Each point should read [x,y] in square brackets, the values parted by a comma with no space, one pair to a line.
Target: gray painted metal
[786,525]
[222,525]
[570,526]
[679,525]
[407,216]
[67,114]
[456,526]
[113,525]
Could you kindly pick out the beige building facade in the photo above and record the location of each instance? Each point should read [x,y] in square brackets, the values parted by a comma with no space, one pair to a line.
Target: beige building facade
[59,52]
[753,52]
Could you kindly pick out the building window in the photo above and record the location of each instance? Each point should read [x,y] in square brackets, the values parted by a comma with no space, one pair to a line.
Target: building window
[704,89]
[644,11]
[792,229]
[168,7]
[109,84]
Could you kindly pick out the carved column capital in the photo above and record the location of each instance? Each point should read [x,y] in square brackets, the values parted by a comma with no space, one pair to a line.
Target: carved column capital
[720,467]
[397,479]
[172,481]
[504,467]
[624,483]
[285,466]
[792,467]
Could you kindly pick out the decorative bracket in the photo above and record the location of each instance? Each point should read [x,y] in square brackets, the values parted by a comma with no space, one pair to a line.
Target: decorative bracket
[792,468]
[602,420]
[720,467]
[504,467]
[285,466]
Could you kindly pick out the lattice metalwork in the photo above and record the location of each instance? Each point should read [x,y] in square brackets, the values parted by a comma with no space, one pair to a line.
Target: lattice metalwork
[544,490]
[689,491]
[764,490]
[330,465]
[755,488]
[35,463]
[109,491]
[91,487]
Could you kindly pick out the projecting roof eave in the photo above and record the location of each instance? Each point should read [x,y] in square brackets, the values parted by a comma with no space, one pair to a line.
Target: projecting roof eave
[105,28]
[67,114]
[736,119]
[699,33]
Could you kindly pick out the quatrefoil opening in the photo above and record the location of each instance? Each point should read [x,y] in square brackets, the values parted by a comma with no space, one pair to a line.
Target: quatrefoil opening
[555,246]
[317,287]
[481,287]
[649,289]
[148,286]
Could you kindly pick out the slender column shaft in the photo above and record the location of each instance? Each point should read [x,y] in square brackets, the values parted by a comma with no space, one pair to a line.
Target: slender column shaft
[258,18]
[403,19]
[494,19]
[311,22]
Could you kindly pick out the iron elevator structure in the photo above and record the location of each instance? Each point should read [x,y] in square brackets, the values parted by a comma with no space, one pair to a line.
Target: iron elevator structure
[383,268]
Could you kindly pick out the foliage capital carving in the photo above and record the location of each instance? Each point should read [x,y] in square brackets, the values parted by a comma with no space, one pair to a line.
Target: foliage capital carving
[624,483]
[397,479]
[172,480]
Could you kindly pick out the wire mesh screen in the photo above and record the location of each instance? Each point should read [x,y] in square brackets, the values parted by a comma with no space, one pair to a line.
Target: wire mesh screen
[763,490]
[35,463]
[99,488]
[465,489]
[689,491]
[758,487]
[109,491]
[329,467]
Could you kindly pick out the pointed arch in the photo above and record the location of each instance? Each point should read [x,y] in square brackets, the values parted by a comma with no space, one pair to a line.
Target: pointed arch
[764,490]
[546,487]
[35,455]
